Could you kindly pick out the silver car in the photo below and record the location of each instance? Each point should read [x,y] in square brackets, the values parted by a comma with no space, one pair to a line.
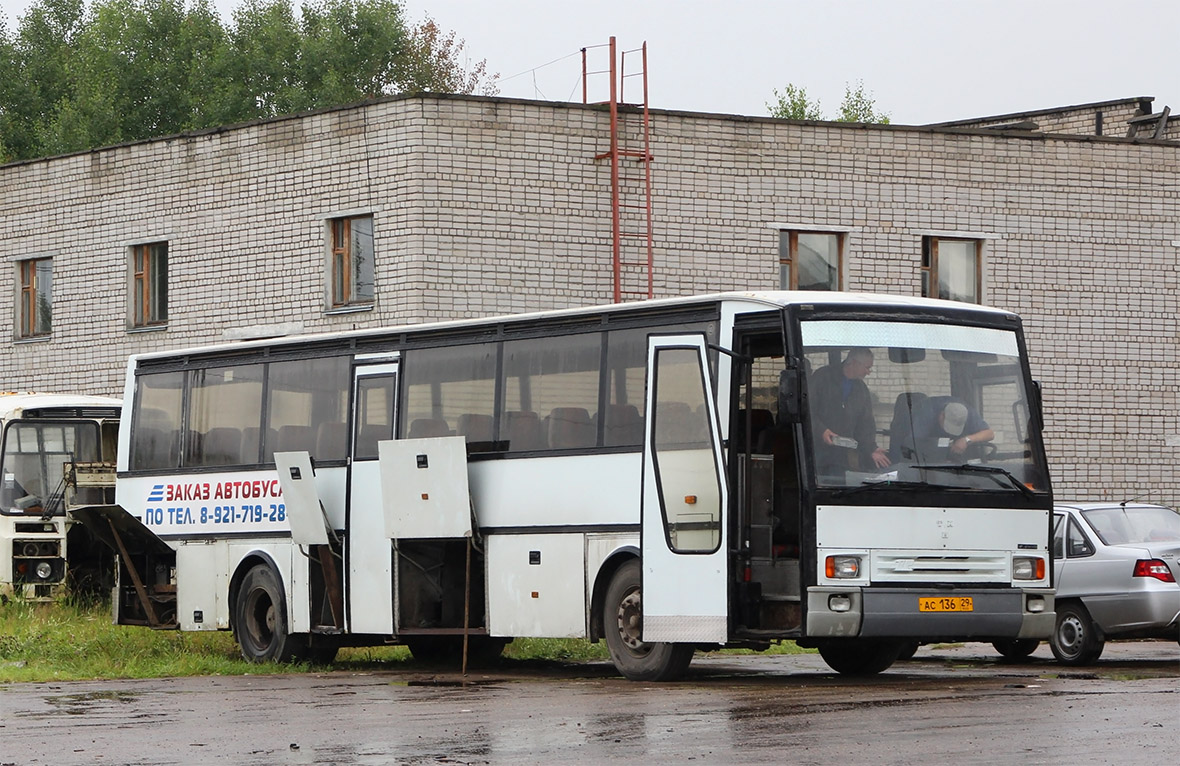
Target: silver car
[1115,568]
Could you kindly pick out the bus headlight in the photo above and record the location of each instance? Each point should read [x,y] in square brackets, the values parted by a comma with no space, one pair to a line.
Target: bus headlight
[842,567]
[43,570]
[1028,568]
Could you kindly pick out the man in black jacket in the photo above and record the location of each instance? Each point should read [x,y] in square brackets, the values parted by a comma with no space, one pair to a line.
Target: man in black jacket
[842,416]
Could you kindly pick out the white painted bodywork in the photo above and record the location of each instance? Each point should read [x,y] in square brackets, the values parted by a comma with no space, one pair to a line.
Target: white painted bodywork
[908,544]
[297,479]
[553,491]
[685,595]
[425,501]
[545,599]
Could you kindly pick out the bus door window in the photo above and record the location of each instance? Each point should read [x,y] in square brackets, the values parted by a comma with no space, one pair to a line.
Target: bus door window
[375,395]
[685,463]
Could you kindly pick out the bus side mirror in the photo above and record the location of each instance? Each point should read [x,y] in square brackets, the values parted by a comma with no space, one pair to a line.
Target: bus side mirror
[788,396]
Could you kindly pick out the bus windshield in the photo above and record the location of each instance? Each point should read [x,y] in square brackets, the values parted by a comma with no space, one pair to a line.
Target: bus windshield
[34,462]
[919,404]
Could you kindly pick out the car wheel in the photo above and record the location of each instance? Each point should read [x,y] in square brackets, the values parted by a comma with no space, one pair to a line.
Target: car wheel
[1016,648]
[1075,639]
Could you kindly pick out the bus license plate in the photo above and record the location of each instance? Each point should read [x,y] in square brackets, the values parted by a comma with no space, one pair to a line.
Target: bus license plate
[943,604]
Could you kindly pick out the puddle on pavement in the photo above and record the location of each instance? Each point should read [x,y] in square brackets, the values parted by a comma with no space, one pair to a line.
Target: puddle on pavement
[83,704]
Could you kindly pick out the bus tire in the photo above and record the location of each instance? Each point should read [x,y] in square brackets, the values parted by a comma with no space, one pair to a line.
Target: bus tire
[1016,648]
[1075,639]
[908,650]
[860,657]
[260,618]
[622,619]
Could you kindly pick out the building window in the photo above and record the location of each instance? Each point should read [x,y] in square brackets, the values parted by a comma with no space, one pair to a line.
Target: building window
[352,261]
[36,297]
[810,260]
[149,266]
[952,269]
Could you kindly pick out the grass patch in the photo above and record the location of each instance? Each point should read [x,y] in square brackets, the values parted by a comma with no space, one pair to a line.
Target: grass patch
[75,642]
[71,642]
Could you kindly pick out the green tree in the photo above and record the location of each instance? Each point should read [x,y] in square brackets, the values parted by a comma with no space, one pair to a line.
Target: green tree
[133,69]
[858,106]
[793,104]
[139,68]
[41,51]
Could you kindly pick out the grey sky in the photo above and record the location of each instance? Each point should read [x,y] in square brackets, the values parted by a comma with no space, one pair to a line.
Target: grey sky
[922,60]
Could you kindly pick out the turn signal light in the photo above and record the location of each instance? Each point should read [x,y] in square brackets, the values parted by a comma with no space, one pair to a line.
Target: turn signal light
[1028,568]
[1153,568]
[842,566]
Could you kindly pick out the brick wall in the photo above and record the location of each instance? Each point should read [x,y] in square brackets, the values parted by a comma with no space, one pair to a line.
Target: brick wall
[486,206]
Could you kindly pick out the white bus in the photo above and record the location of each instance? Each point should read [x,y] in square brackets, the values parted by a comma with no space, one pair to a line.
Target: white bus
[655,475]
[56,451]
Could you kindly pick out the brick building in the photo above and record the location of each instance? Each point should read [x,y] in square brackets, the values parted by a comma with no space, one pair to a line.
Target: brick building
[429,207]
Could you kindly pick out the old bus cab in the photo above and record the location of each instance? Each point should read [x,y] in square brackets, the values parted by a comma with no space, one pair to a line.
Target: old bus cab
[57,451]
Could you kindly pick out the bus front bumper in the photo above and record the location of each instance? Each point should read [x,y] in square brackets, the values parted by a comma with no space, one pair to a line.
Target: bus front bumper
[994,613]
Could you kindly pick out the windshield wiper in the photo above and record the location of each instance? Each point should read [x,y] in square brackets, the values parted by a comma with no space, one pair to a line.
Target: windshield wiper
[891,483]
[994,470]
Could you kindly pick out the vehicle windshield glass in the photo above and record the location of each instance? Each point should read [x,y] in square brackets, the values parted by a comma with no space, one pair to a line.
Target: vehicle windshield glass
[1117,525]
[35,456]
[889,401]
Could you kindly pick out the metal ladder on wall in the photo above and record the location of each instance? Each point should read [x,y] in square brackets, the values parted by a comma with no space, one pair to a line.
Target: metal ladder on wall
[630,160]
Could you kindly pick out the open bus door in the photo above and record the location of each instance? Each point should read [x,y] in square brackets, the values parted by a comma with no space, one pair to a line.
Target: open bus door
[684,575]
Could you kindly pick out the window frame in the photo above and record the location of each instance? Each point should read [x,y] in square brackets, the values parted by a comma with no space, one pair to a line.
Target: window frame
[149,284]
[930,265]
[342,283]
[791,259]
[28,301]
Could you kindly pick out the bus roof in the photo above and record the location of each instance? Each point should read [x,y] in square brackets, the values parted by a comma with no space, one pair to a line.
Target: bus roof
[766,298]
[13,404]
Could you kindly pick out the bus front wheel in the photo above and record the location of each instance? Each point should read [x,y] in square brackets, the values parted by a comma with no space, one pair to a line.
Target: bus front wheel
[622,625]
[260,618]
[860,657]
[1016,648]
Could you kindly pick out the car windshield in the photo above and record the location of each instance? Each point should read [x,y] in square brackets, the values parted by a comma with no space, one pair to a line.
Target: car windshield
[900,402]
[1117,525]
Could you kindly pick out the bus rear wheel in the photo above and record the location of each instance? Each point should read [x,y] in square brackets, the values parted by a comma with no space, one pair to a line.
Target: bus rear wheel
[860,657]
[622,625]
[260,618]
